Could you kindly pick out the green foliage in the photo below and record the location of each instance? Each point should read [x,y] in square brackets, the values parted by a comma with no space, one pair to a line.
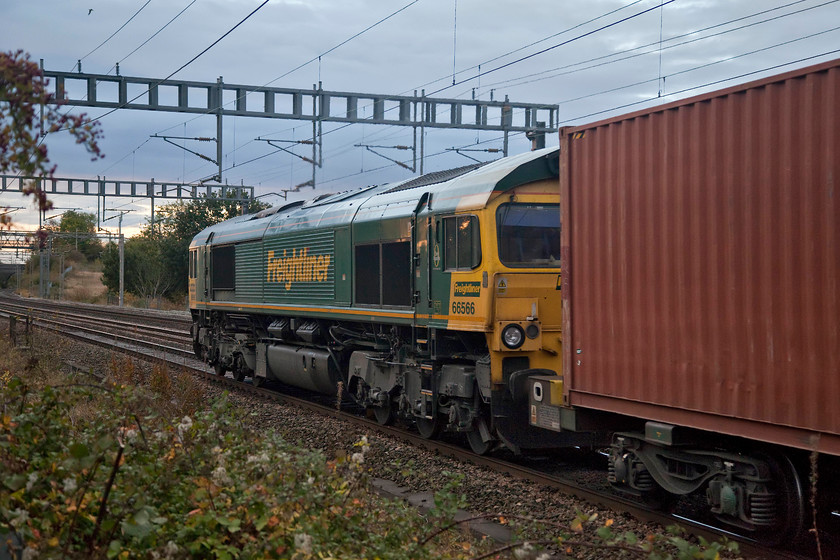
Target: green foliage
[103,471]
[146,274]
[183,220]
[675,544]
[159,262]
[23,93]
[73,221]
[83,227]
[122,482]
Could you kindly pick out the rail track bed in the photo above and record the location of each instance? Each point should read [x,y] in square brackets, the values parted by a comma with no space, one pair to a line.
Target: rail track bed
[532,484]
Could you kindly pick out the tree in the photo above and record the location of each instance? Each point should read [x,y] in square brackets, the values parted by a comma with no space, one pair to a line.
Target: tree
[179,222]
[145,274]
[23,94]
[82,223]
[159,261]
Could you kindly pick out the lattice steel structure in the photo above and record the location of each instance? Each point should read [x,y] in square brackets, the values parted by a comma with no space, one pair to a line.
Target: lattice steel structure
[107,188]
[316,105]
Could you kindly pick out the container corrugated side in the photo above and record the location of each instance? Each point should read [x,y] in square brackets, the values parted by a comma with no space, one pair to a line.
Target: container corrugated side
[702,261]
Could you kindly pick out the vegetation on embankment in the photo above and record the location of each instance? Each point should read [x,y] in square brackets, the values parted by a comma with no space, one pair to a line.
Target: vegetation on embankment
[140,466]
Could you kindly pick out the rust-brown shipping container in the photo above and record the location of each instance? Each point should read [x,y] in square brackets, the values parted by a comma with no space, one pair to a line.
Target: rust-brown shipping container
[701,246]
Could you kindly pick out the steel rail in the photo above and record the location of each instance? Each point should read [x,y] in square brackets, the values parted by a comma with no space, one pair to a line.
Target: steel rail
[151,330]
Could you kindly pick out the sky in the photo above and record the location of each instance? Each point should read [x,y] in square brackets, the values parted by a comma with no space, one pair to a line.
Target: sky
[593,58]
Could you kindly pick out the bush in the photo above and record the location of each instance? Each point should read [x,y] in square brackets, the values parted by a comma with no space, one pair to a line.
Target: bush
[104,471]
[122,483]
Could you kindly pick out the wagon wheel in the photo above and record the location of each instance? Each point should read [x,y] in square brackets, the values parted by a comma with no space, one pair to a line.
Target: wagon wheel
[385,414]
[429,428]
[791,501]
[660,499]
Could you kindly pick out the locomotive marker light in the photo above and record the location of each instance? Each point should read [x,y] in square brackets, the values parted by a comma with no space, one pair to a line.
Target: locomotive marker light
[532,331]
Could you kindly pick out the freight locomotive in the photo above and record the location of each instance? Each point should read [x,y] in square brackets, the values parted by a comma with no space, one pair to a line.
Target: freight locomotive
[435,298]
[693,328]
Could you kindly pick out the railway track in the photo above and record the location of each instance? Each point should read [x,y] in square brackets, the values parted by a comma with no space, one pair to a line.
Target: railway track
[169,342]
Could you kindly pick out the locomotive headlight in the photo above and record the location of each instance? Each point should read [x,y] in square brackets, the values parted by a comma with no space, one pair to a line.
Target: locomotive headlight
[513,336]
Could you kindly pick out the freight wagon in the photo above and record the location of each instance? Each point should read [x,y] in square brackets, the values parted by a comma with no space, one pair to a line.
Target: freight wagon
[701,295]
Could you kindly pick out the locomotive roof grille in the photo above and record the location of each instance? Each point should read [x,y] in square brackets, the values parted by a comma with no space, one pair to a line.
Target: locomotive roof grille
[435,177]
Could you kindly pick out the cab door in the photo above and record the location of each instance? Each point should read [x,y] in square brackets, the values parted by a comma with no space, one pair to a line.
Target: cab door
[205,272]
[422,258]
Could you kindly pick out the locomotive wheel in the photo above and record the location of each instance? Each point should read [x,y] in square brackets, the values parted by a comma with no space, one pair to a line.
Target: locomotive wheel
[478,446]
[428,428]
[384,414]
[240,370]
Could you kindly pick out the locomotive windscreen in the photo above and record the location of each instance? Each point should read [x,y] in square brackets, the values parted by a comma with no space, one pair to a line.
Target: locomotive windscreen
[529,235]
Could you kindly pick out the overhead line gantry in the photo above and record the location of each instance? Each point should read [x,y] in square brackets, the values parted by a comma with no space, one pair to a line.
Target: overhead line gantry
[315,105]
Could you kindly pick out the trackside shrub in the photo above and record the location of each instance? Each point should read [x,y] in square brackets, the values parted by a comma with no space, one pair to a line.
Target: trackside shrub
[120,470]
[125,485]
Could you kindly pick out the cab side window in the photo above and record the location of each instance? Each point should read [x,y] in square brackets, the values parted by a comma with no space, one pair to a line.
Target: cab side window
[462,247]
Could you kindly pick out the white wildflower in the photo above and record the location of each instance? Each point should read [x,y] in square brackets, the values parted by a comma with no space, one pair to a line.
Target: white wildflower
[303,542]
[220,476]
[358,458]
[260,459]
[29,553]
[30,482]
[69,485]
[217,450]
[310,481]
[171,549]
[523,551]
[131,434]
[19,518]
[364,440]
[185,424]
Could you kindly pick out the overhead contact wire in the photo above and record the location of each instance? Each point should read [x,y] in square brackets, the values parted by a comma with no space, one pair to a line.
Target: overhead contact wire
[117,31]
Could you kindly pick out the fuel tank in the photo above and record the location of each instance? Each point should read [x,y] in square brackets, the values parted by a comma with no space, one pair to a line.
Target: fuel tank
[307,368]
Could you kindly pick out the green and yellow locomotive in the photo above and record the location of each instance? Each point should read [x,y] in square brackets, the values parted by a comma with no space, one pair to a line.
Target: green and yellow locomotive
[436,298]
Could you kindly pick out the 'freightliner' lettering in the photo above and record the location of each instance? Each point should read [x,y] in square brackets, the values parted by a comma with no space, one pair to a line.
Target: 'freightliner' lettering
[299,266]
[467,289]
